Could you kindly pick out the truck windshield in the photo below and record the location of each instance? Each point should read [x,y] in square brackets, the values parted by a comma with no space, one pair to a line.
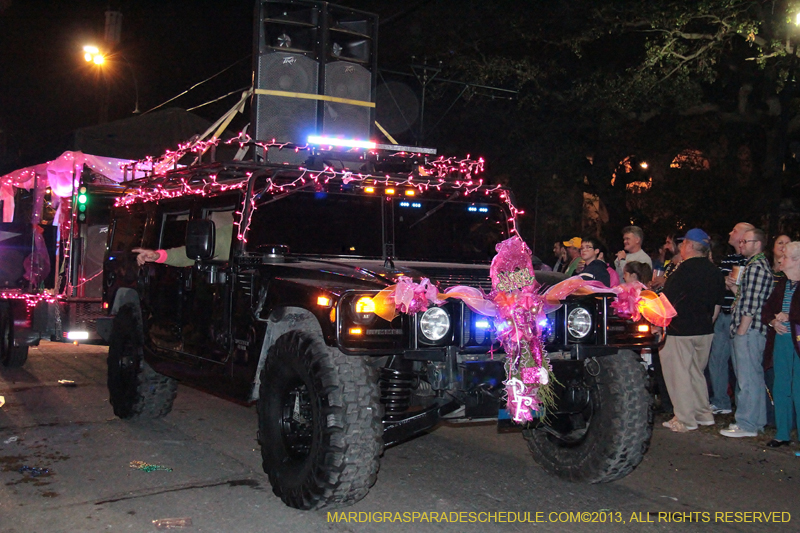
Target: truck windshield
[447,231]
[319,223]
[350,224]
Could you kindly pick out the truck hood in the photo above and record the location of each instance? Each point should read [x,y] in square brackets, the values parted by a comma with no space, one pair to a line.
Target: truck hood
[373,274]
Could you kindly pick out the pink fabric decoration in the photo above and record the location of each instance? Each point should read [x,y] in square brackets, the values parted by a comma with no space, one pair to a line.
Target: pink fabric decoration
[627,303]
[410,297]
[474,298]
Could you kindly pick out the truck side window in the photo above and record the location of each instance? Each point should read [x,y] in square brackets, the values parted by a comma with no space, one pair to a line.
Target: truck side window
[173,230]
[128,234]
[223,223]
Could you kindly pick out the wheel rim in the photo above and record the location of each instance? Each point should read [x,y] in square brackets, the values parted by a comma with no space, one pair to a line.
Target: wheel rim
[296,424]
[571,429]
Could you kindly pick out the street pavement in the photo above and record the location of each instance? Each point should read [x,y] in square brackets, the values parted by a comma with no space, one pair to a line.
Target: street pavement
[65,466]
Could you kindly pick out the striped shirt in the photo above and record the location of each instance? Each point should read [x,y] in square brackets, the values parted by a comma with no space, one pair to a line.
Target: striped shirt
[788,294]
[754,290]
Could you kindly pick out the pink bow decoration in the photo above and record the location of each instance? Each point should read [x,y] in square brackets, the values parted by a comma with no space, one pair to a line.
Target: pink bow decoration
[473,298]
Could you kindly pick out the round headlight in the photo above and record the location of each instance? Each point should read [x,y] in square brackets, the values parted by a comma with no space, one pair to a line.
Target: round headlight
[435,323]
[579,322]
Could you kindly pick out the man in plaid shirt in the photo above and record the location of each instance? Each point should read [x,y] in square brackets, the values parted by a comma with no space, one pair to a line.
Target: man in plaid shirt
[749,337]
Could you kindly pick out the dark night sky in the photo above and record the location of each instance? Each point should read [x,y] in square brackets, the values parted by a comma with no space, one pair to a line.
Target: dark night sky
[47,89]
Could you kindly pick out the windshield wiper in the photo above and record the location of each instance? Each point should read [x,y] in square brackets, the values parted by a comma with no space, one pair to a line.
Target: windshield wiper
[435,209]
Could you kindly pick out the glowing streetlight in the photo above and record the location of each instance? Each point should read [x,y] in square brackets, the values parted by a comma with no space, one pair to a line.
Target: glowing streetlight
[643,164]
[92,55]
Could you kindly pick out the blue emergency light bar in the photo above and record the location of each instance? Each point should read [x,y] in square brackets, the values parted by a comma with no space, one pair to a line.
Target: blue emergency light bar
[347,143]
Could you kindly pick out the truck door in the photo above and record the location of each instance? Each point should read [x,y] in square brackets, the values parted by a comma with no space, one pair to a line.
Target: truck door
[206,323]
[169,286]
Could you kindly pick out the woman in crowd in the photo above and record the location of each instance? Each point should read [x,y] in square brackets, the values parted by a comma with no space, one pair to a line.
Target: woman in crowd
[778,251]
[782,313]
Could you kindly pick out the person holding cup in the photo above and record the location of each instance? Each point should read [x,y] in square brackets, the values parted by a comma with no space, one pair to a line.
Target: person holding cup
[750,336]
[721,346]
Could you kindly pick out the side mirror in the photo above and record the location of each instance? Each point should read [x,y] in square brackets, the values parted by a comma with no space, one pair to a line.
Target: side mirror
[200,235]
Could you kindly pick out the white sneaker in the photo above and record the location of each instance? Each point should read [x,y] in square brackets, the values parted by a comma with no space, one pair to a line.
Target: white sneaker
[717,411]
[735,431]
[705,422]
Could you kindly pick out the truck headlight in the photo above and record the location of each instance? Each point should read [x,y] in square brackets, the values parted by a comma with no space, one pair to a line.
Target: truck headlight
[579,322]
[434,324]
[363,310]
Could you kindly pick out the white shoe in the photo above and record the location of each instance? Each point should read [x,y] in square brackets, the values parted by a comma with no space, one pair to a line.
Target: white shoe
[705,422]
[735,431]
[677,426]
[717,411]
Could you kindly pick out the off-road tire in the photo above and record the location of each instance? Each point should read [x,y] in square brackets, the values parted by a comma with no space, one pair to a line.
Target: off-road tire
[10,356]
[135,389]
[620,425]
[320,423]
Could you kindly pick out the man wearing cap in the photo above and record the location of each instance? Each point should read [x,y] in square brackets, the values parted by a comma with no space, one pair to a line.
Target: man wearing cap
[573,247]
[750,337]
[696,289]
[632,238]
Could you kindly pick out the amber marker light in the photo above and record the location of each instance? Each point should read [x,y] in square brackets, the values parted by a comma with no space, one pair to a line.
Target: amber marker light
[644,328]
[333,314]
[323,301]
[369,190]
[410,192]
[356,331]
[389,191]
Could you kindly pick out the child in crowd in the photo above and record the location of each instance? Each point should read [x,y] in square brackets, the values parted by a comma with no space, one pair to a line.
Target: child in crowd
[637,271]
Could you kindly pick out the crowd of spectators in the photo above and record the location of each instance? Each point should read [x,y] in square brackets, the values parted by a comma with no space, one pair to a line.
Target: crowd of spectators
[734,346]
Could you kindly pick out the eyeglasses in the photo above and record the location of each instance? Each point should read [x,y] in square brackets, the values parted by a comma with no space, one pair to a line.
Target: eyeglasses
[749,240]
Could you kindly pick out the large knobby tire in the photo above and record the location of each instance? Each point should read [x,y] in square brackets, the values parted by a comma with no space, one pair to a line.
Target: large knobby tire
[618,425]
[10,356]
[135,389]
[320,423]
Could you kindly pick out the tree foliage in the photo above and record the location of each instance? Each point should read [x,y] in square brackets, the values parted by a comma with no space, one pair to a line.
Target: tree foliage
[638,80]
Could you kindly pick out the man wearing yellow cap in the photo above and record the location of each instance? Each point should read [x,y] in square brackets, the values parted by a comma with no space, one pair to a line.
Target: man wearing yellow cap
[573,247]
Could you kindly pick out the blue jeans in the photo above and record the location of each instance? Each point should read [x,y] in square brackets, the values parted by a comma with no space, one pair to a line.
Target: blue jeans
[787,385]
[718,362]
[751,400]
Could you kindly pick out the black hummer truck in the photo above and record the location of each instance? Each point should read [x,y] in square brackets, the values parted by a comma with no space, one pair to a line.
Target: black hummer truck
[275,318]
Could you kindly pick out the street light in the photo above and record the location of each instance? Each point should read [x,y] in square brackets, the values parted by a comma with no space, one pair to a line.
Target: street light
[92,54]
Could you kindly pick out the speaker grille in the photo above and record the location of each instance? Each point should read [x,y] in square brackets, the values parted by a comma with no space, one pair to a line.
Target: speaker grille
[344,79]
[92,263]
[282,118]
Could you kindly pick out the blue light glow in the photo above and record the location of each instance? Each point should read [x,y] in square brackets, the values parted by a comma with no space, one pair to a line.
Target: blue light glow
[416,204]
[472,209]
[410,204]
[483,210]
[482,324]
[333,141]
[404,204]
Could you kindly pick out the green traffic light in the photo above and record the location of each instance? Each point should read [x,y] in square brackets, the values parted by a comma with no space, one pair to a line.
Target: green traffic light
[82,198]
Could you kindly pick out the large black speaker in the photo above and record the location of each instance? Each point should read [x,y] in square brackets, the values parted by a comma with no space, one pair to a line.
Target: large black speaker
[314,71]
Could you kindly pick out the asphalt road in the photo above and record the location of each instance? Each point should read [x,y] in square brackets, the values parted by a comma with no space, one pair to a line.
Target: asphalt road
[687,482]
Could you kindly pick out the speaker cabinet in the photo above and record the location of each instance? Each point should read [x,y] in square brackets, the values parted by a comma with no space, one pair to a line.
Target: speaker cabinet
[91,262]
[305,51]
